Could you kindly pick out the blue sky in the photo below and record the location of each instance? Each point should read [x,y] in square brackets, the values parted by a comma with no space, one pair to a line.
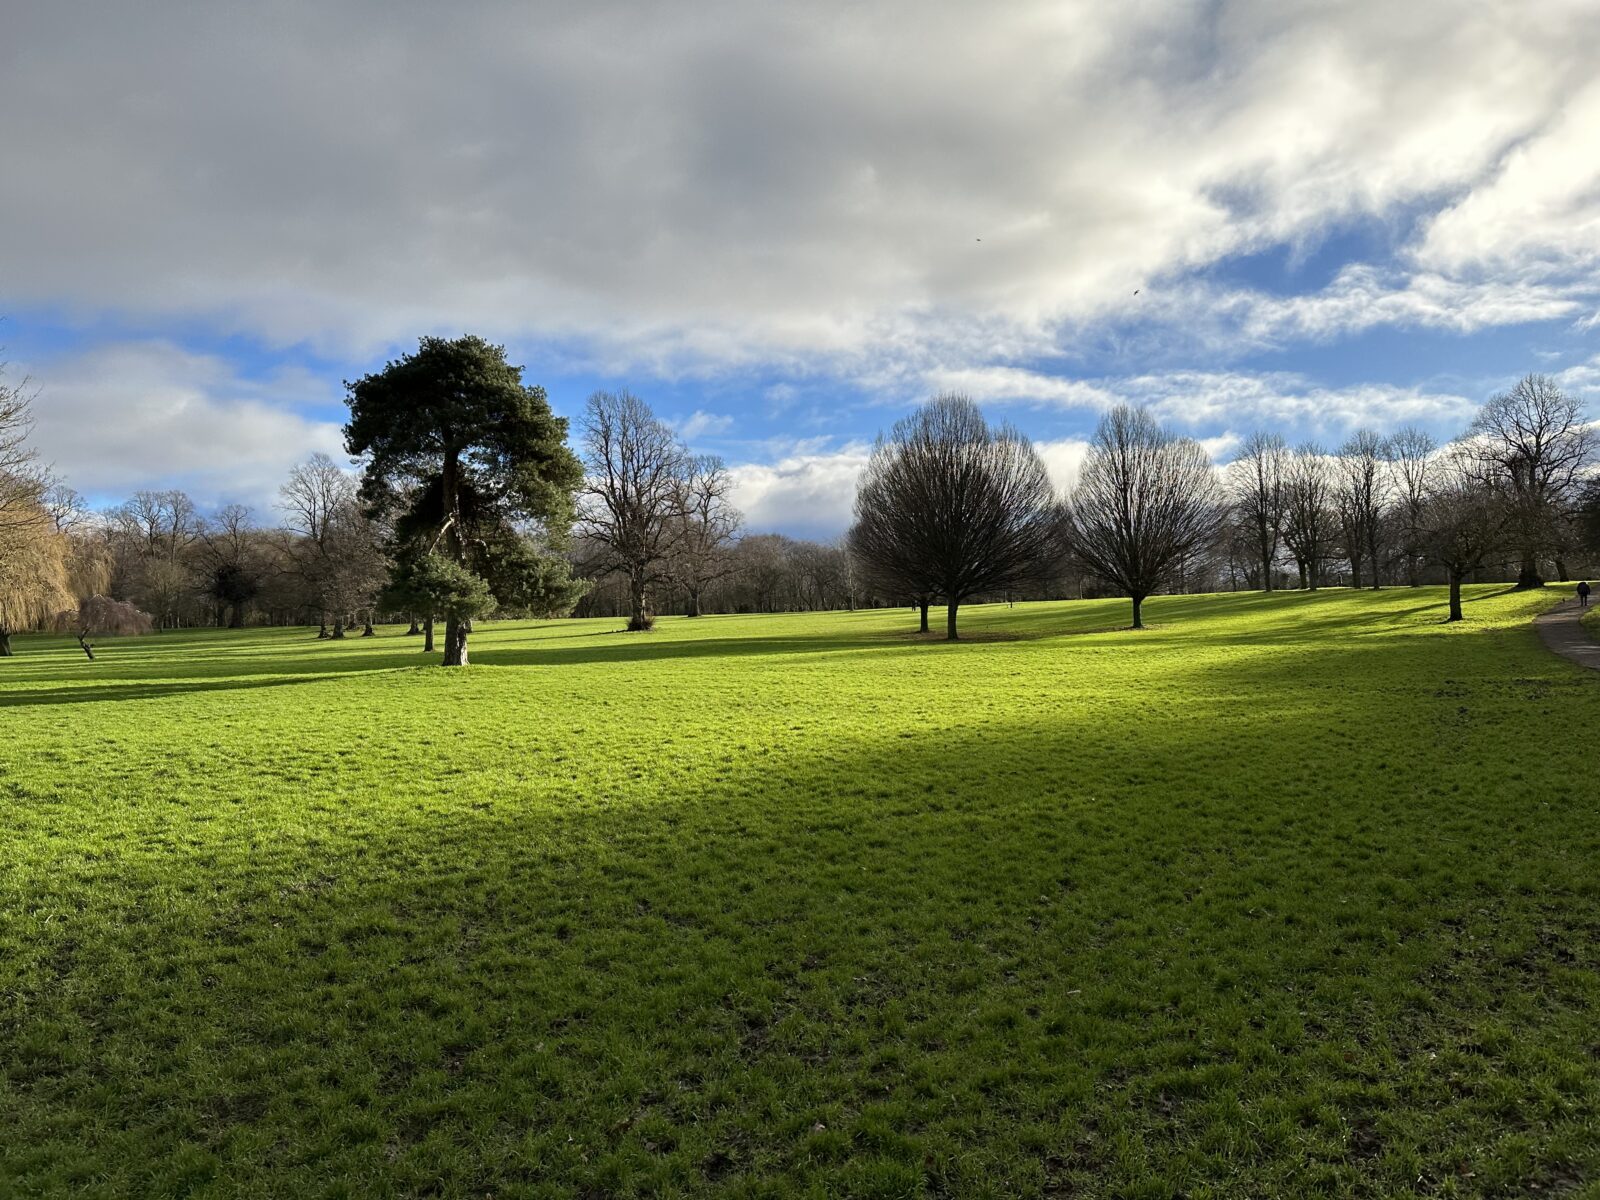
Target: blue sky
[784,227]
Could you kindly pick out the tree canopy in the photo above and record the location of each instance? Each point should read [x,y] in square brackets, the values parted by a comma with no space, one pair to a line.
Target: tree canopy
[465,461]
[951,507]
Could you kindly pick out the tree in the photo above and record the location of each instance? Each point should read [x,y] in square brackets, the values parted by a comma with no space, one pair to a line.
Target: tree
[35,576]
[228,563]
[1467,513]
[1257,479]
[951,507]
[22,481]
[1362,495]
[322,508]
[1539,443]
[1588,512]
[634,497]
[1410,452]
[1146,500]
[1308,528]
[708,525]
[460,452]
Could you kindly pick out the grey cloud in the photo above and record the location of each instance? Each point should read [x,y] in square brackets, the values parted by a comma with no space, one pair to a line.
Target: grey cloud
[698,187]
[136,415]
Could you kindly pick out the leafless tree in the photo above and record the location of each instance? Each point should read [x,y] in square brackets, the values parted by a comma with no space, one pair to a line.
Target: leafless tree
[1410,452]
[22,480]
[1539,442]
[68,510]
[1362,498]
[632,501]
[337,552]
[702,549]
[1468,513]
[1309,518]
[228,563]
[162,523]
[1146,499]
[952,506]
[1256,479]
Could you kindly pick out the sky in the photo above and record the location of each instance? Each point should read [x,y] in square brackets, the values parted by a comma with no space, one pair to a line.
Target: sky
[785,225]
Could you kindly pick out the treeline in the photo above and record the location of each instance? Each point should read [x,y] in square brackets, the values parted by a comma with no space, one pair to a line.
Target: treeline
[1379,510]
[471,502]
[950,510]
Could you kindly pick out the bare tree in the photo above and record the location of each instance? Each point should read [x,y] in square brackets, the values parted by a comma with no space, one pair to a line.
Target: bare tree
[632,501]
[1410,452]
[163,523]
[68,510]
[956,506]
[1537,439]
[1145,501]
[22,480]
[709,522]
[228,563]
[1467,514]
[1309,518]
[1256,477]
[320,503]
[1362,496]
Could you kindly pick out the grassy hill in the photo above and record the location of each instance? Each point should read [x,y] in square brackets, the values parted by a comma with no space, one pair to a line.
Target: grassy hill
[1284,895]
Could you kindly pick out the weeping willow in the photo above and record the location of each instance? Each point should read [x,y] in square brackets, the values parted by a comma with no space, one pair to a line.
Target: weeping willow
[35,574]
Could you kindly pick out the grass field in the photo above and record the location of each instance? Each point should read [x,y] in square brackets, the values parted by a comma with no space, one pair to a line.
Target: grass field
[1293,895]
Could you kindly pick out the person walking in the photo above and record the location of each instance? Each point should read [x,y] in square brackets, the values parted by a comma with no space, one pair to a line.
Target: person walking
[1583,595]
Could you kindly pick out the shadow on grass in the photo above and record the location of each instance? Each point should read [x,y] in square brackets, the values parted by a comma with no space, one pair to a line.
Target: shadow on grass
[939,946]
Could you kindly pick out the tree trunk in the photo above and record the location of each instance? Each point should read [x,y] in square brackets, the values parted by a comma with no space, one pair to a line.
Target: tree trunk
[415,628]
[1138,605]
[1528,576]
[639,600]
[427,636]
[322,630]
[368,631]
[923,604]
[338,627]
[692,609]
[5,643]
[1455,594]
[455,641]
[1355,572]
[950,621]
[1561,571]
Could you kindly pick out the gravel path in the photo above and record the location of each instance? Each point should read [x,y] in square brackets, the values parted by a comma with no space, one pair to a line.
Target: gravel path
[1562,632]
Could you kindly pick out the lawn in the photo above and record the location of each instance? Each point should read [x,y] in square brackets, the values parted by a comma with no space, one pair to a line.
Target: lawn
[1291,895]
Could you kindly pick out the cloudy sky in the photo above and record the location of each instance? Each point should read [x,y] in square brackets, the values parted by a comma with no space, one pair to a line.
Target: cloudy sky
[784,224]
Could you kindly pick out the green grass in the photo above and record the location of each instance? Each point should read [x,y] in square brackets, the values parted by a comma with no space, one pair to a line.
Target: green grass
[1293,895]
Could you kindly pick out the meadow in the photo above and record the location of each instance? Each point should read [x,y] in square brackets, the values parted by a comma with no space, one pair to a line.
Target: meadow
[1284,895]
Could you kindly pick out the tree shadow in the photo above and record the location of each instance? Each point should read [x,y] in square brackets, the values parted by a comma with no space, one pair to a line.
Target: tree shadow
[866,927]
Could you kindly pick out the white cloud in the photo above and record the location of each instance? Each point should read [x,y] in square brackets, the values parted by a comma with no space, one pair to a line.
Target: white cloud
[1200,399]
[871,187]
[1063,459]
[133,415]
[701,423]
[1015,384]
[808,493]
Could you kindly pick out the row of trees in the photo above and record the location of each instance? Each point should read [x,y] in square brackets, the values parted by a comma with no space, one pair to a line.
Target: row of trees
[470,501]
[1366,511]
[950,508]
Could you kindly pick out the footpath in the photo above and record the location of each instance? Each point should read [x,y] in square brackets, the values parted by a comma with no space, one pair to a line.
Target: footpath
[1562,632]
